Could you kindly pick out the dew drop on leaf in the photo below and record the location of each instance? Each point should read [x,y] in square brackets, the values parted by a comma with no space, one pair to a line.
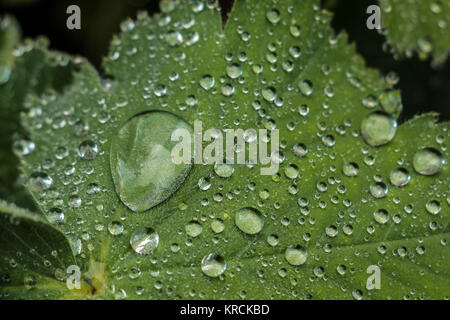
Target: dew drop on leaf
[350,169]
[39,181]
[224,170]
[194,229]
[144,240]
[56,216]
[115,228]
[249,220]
[207,82]
[400,177]
[378,190]
[213,265]
[296,255]
[88,150]
[381,216]
[433,207]
[428,161]
[142,167]
[378,128]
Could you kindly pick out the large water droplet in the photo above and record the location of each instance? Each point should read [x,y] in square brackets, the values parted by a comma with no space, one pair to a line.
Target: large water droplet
[213,265]
[249,220]
[144,240]
[378,128]
[428,161]
[143,170]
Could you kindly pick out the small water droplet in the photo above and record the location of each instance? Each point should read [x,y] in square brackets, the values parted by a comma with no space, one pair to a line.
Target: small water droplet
[115,228]
[378,190]
[381,216]
[433,207]
[144,240]
[194,229]
[88,150]
[399,177]
[213,265]
[39,181]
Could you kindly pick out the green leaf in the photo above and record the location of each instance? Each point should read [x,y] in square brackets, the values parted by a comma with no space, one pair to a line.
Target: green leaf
[41,72]
[418,25]
[309,231]
[34,256]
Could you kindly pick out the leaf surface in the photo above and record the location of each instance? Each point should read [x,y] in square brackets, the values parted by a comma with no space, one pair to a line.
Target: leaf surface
[275,65]
[418,26]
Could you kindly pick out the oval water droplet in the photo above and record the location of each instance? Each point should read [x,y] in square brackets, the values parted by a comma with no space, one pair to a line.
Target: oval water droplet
[378,128]
[381,216]
[88,150]
[143,170]
[378,190]
[207,82]
[296,255]
[433,207]
[224,170]
[428,161]
[194,229]
[213,265]
[249,220]
[144,240]
[115,228]
[400,177]
[39,181]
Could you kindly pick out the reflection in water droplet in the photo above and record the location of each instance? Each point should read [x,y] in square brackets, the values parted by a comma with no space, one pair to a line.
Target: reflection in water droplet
[400,177]
[296,255]
[428,161]
[39,181]
[217,226]
[378,128]
[306,87]
[273,240]
[88,150]
[249,220]
[143,170]
[207,82]
[300,150]
[115,228]
[350,169]
[194,229]
[144,240]
[213,265]
[378,190]
[56,216]
[433,207]
[273,16]
[381,216]
[224,170]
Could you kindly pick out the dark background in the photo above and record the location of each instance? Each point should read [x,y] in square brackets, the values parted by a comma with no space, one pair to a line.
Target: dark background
[424,88]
